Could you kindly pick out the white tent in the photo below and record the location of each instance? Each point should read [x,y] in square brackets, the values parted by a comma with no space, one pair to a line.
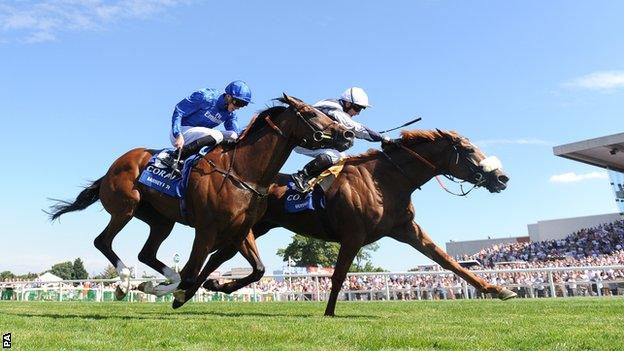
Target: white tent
[48,277]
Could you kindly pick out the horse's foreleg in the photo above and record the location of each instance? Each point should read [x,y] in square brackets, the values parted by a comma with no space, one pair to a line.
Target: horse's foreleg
[345,258]
[202,245]
[413,235]
[104,243]
[249,250]
[160,228]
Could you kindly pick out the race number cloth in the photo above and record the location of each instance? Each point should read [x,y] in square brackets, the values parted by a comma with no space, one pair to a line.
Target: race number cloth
[160,177]
[294,201]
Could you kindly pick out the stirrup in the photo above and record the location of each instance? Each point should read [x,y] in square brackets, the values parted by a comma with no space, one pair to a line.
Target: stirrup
[175,172]
[301,182]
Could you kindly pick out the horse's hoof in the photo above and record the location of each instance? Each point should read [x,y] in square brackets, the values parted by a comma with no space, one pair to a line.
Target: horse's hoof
[212,285]
[120,293]
[506,294]
[177,304]
[179,295]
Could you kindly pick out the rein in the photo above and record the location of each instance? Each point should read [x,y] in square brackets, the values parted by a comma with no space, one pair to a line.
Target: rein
[480,178]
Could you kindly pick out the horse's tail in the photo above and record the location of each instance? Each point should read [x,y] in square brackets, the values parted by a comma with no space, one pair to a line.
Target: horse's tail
[86,198]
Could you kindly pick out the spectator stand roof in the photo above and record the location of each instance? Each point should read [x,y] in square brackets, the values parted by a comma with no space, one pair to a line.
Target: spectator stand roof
[604,152]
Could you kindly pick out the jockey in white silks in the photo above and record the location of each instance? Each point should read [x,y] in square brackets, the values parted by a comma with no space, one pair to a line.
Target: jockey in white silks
[349,105]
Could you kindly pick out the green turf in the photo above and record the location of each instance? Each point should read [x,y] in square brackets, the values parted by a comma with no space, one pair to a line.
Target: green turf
[535,324]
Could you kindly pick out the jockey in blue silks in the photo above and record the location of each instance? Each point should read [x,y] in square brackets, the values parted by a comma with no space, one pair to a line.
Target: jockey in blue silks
[350,104]
[195,117]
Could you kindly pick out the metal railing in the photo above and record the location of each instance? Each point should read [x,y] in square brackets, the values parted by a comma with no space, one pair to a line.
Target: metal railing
[315,287]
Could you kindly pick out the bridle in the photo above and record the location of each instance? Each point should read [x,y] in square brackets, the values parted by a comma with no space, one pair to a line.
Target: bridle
[318,134]
[459,153]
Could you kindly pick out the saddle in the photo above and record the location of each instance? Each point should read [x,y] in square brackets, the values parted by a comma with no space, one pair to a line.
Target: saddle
[327,177]
[314,198]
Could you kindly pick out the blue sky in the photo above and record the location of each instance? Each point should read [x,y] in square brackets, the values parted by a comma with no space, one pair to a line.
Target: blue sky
[85,81]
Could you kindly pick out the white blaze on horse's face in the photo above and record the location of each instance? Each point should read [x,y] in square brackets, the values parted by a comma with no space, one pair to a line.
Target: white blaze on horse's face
[490,164]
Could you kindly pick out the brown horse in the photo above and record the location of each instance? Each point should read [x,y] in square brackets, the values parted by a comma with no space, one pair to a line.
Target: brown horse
[226,191]
[370,199]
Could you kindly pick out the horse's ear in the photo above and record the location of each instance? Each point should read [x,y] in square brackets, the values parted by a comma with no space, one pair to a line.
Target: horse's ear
[287,98]
[292,101]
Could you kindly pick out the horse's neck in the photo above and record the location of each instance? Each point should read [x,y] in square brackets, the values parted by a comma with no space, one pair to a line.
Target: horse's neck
[259,158]
[411,173]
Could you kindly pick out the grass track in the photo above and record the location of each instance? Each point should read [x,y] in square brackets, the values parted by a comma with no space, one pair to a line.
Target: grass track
[536,324]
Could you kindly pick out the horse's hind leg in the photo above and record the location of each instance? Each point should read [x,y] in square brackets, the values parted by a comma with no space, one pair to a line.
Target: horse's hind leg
[413,235]
[160,228]
[104,243]
[228,251]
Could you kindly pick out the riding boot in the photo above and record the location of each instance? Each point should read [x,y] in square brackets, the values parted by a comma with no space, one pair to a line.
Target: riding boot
[313,169]
[191,149]
[194,146]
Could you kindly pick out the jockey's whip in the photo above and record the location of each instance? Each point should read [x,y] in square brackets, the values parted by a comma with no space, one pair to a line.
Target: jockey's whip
[401,126]
[179,155]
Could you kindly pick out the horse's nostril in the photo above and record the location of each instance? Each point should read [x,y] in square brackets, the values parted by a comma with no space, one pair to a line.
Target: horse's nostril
[503,179]
[348,134]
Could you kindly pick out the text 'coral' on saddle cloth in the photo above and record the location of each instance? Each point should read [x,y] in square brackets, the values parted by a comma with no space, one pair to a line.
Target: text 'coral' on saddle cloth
[159,176]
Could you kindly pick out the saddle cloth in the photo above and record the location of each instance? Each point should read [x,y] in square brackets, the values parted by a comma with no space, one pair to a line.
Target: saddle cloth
[159,176]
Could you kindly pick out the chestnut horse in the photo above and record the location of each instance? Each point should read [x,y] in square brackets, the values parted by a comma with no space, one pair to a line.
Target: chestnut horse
[371,199]
[226,192]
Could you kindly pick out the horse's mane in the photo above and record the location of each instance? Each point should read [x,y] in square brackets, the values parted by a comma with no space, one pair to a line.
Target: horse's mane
[258,121]
[408,137]
[420,135]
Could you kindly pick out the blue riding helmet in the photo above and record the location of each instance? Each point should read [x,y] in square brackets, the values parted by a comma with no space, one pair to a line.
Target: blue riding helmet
[239,90]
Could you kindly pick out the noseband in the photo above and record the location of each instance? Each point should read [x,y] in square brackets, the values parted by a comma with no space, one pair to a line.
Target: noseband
[318,133]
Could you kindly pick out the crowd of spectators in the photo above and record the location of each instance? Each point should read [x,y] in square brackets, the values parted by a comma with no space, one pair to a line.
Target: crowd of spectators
[585,244]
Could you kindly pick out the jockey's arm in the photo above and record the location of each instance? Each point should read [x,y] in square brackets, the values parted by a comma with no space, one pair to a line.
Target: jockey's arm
[360,131]
[232,125]
[186,107]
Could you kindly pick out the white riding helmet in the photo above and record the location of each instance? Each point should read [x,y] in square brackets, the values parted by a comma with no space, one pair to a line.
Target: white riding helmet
[356,96]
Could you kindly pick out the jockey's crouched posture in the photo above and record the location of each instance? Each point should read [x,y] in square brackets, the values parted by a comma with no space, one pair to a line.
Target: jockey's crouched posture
[195,117]
[350,104]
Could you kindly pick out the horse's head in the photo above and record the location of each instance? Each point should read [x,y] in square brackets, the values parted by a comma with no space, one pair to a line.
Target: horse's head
[315,130]
[451,154]
[469,163]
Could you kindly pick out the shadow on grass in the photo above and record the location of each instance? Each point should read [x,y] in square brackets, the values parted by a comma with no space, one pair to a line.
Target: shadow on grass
[87,316]
[148,315]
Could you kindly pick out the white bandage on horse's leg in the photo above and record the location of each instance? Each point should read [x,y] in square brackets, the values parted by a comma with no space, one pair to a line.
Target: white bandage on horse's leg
[160,290]
[171,275]
[122,270]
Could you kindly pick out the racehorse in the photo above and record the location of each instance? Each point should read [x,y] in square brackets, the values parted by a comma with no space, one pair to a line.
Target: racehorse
[371,199]
[226,192]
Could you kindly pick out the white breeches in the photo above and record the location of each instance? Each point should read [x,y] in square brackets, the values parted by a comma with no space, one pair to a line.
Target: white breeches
[335,155]
[191,134]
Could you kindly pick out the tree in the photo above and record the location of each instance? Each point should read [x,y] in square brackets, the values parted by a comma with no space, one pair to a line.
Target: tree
[365,254]
[78,270]
[63,270]
[6,275]
[367,267]
[311,252]
[108,273]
